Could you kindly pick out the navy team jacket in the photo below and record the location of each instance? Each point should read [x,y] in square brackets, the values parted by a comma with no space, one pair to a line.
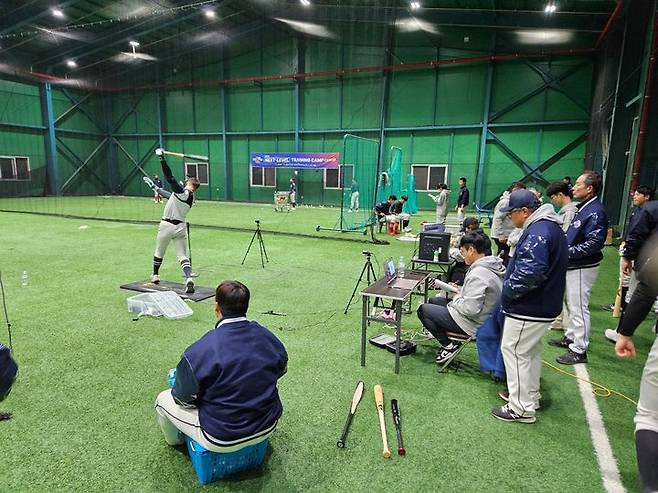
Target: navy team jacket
[230,375]
[586,235]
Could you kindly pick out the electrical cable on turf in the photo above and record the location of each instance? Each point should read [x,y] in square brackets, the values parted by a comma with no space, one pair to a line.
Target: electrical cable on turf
[597,389]
[4,305]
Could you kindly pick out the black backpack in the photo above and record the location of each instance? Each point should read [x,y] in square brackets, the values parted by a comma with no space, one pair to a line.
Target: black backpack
[8,371]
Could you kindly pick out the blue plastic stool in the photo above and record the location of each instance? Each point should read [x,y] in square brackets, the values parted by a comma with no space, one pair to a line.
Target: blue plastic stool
[212,466]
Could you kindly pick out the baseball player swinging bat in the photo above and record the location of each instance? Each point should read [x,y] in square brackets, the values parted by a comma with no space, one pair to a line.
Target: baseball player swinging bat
[356,398]
[379,401]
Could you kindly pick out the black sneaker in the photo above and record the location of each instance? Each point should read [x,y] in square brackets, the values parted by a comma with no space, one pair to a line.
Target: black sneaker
[563,341]
[504,395]
[572,358]
[448,352]
[189,285]
[505,413]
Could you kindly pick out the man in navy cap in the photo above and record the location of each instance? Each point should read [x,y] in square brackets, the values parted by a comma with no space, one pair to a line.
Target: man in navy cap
[532,295]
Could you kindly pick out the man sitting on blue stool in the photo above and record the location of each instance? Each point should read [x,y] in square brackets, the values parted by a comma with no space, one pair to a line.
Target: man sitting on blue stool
[225,395]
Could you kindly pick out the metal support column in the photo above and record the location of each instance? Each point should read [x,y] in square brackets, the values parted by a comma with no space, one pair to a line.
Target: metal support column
[112,162]
[228,186]
[482,155]
[52,164]
[299,89]
[383,109]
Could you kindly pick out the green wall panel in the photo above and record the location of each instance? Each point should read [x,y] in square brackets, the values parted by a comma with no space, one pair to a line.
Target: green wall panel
[461,93]
[208,109]
[178,108]
[244,104]
[411,100]
[321,107]
[19,103]
[362,102]
[278,106]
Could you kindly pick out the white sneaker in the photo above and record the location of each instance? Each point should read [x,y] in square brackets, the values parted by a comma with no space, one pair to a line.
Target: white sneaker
[155,279]
[189,285]
[611,335]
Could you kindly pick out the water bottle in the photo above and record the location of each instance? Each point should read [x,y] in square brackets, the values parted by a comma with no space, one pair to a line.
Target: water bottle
[24,278]
[401,267]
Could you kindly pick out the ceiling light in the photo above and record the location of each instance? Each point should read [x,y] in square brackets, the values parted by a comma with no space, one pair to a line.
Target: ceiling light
[71,63]
[57,13]
[550,8]
[210,14]
[545,37]
[414,5]
[134,44]
[305,3]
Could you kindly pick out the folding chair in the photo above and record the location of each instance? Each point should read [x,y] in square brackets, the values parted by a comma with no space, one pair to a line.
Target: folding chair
[481,213]
[461,338]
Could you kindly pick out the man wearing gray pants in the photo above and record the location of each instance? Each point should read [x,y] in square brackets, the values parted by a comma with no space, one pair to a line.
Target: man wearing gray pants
[532,296]
[646,418]
[586,237]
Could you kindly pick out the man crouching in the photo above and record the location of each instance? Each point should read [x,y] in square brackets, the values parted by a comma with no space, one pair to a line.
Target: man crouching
[225,395]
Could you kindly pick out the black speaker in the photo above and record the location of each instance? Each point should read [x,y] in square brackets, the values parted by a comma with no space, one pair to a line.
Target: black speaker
[431,241]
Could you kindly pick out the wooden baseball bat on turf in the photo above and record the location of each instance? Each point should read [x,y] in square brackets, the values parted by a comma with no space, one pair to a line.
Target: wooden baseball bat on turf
[379,401]
[188,156]
[356,398]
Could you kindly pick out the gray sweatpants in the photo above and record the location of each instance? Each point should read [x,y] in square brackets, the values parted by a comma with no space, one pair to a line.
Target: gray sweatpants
[521,347]
[647,407]
[578,293]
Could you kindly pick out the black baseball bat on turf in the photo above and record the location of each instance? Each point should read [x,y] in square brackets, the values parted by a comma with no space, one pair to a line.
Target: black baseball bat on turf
[356,398]
[398,430]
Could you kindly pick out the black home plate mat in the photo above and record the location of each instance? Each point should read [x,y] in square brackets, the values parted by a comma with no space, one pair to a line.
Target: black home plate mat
[147,286]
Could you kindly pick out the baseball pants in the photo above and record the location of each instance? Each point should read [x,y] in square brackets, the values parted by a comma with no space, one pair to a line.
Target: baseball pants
[172,232]
[578,293]
[521,347]
[174,420]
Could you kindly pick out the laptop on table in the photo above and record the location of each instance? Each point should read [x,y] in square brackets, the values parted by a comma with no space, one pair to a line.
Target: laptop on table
[392,279]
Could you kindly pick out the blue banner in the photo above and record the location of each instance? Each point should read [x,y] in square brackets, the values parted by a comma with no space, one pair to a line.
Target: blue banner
[300,160]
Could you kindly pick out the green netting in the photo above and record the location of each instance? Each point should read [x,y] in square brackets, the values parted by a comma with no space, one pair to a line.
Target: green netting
[390,181]
[359,182]
[411,205]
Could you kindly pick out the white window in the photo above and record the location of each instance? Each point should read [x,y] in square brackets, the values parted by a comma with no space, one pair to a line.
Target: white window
[14,168]
[337,178]
[198,171]
[263,177]
[428,176]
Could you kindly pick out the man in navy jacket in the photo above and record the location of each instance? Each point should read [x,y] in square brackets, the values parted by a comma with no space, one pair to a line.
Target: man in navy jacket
[532,296]
[586,237]
[225,396]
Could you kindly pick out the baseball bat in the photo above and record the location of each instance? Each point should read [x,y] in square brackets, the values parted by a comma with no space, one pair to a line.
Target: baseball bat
[379,400]
[616,310]
[398,430]
[188,156]
[356,398]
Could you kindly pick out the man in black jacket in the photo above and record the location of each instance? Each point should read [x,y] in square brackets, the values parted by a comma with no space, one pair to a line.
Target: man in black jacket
[586,237]
[646,418]
[462,200]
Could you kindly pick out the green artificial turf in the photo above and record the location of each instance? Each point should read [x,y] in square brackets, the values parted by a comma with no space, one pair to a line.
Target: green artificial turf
[89,374]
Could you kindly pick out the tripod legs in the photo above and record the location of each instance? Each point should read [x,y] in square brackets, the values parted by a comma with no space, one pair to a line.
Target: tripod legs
[368,270]
[261,246]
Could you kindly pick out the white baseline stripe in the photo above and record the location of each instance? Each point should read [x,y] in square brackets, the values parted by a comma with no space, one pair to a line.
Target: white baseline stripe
[606,459]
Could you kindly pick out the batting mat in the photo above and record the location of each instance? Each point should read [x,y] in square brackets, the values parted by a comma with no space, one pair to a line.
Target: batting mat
[147,286]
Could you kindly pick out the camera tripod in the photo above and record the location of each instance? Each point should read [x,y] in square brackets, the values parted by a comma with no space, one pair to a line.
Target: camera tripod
[368,270]
[257,234]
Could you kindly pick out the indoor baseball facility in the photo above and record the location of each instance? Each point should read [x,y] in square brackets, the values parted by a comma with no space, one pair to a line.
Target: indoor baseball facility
[328,245]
